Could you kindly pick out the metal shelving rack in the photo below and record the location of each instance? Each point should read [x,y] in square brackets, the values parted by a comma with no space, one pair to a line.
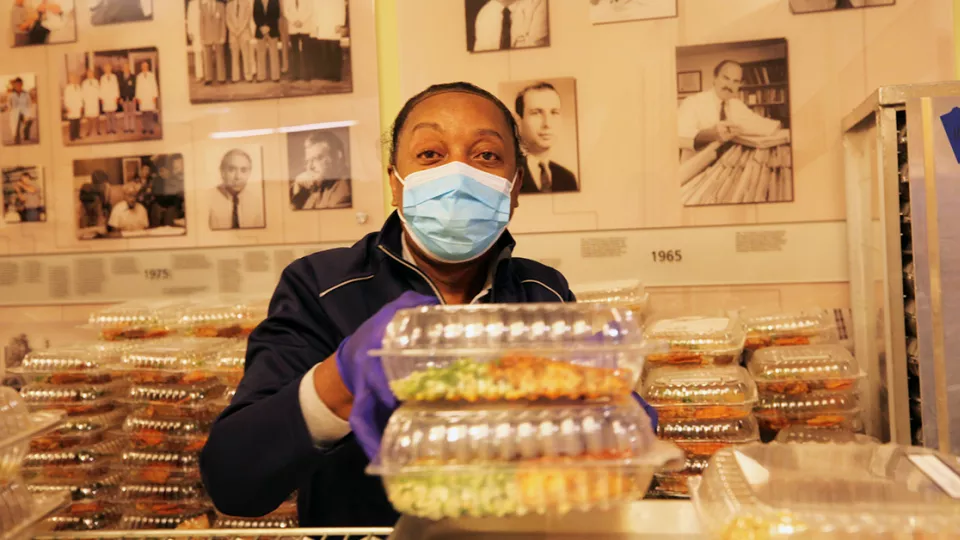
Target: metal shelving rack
[887,143]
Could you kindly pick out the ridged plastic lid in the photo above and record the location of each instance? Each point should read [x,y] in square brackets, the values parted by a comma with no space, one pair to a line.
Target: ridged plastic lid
[808,434]
[233,357]
[146,313]
[735,431]
[96,486]
[801,323]
[167,516]
[180,395]
[629,293]
[48,394]
[699,333]
[813,402]
[780,491]
[172,490]
[174,354]
[803,363]
[101,453]
[721,385]
[224,311]
[87,357]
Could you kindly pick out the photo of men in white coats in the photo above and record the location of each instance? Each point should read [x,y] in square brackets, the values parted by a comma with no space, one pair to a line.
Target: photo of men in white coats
[111,96]
[267,49]
[19,110]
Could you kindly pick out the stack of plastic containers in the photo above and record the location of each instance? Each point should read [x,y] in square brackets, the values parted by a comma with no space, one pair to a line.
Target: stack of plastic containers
[137,320]
[813,385]
[20,510]
[628,294]
[704,400]
[224,317]
[830,492]
[791,329]
[515,409]
[174,391]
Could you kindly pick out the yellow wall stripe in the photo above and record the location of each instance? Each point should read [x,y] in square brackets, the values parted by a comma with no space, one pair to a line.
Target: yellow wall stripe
[388,71]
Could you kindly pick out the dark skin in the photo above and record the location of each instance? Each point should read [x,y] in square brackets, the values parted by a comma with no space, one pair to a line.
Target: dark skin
[447,127]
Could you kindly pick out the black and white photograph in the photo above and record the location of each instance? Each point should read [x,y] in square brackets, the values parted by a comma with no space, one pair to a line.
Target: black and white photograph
[103,12]
[267,49]
[813,6]
[42,22]
[610,11]
[546,111]
[319,165]
[24,195]
[19,113]
[111,96]
[734,133]
[235,198]
[129,197]
[501,25]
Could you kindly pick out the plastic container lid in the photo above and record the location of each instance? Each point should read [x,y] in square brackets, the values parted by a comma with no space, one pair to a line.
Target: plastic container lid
[180,490]
[137,319]
[14,446]
[628,293]
[807,434]
[704,438]
[231,362]
[507,460]
[797,370]
[223,317]
[14,416]
[697,341]
[707,394]
[83,516]
[179,394]
[167,516]
[66,396]
[96,486]
[675,483]
[823,409]
[76,364]
[184,432]
[830,491]
[16,505]
[61,461]
[801,328]
[76,431]
[173,360]
[284,517]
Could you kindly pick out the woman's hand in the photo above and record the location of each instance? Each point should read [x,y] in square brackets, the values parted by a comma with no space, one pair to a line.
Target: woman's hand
[362,374]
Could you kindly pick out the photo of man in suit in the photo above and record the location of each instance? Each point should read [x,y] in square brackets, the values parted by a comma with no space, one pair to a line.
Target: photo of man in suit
[266,17]
[240,37]
[320,163]
[213,35]
[539,110]
[499,25]
[120,11]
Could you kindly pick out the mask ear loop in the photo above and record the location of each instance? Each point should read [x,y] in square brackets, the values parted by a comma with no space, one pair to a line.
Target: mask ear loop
[404,184]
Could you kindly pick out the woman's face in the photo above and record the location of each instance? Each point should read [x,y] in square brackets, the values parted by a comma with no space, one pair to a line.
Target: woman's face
[455,126]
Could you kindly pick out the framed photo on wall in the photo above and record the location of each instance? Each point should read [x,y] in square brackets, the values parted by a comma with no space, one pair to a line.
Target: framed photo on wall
[813,6]
[19,111]
[610,11]
[129,197]
[235,198]
[41,22]
[546,111]
[267,49]
[104,12]
[24,195]
[689,82]
[319,165]
[111,96]
[500,25]
[734,133]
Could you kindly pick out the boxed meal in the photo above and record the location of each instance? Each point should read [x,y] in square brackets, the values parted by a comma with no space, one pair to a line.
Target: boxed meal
[629,294]
[231,361]
[83,516]
[185,430]
[17,426]
[819,409]
[804,369]
[711,393]
[175,395]
[77,364]
[225,317]
[676,483]
[150,516]
[512,352]
[74,399]
[77,462]
[91,489]
[802,328]
[173,361]
[696,341]
[284,517]
[76,431]
[829,492]
[160,467]
[506,460]
[137,320]
[179,490]
[807,434]
[706,437]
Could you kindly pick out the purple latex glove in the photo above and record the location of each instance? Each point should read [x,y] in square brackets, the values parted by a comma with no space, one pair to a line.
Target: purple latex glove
[651,412]
[362,374]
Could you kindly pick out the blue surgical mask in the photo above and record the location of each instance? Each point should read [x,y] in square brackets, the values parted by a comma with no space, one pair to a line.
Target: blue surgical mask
[455,212]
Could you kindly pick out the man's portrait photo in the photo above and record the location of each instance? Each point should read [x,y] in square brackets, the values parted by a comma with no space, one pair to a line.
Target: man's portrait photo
[111,96]
[267,49]
[609,11]
[19,123]
[733,123]
[546,111]
[501,25]
[236,201]
[42,22]
[812,6]
[319,165]
[104,12]
[24,195]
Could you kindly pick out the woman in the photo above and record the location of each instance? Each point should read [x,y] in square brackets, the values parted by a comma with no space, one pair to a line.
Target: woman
[308,372]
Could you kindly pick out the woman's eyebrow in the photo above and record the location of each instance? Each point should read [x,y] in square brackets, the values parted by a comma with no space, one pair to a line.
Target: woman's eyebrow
[427,125]
[491,132]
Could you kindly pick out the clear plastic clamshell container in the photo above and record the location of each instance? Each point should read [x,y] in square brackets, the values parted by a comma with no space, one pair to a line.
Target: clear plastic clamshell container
[790,329]
[807,434]
[185,431]
[137,319]
[173,361]
[78,463]
[820,409]
[151,516]
[166,397]
[830,491]
[676,483]
[512,352]
[629,294]
[173,490]
[16,428]
[715,393]
[697,341]
[804,369]
[231,362]
[75,399]
[160,467]
[284,517]
[505,460]
[83,516]
[705,438]
[90,488]
[223,317]
[78,364]
[76,431]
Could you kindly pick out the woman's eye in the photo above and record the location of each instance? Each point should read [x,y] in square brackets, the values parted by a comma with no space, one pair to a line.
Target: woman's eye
[428,154]
[488,156]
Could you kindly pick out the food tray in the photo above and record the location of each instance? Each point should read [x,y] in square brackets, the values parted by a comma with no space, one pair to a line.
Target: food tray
[697,341]
[173,361]
[75,399]
[714,393]
[705,438]
[175,394]
[829,492]
[790,329]
[180,490]
[78,364]
[225,318]
[676,483]
[15,445]
[804,369]
[807,434]
[166,516]
[515,351]
[76,431]
[284,517]
[83,516]
[137,320]
[504,460]
[95,486]
[186,431]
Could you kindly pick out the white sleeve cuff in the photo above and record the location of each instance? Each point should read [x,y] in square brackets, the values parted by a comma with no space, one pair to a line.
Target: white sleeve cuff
[324,426]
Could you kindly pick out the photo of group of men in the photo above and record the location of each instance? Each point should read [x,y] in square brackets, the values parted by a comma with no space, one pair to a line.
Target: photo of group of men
[24,196]
[111,96]
[18,109]
[130,196]
[266,49]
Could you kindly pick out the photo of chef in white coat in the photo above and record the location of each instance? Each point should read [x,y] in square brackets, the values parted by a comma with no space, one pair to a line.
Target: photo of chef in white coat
[119,96]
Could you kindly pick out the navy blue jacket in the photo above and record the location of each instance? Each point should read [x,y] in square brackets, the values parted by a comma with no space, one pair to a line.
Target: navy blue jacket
[259,450]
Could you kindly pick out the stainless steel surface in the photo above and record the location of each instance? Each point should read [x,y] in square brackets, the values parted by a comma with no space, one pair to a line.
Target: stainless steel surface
[246,534]
[897,95]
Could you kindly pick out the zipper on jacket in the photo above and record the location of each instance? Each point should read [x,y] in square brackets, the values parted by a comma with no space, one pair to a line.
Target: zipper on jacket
[418,271]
